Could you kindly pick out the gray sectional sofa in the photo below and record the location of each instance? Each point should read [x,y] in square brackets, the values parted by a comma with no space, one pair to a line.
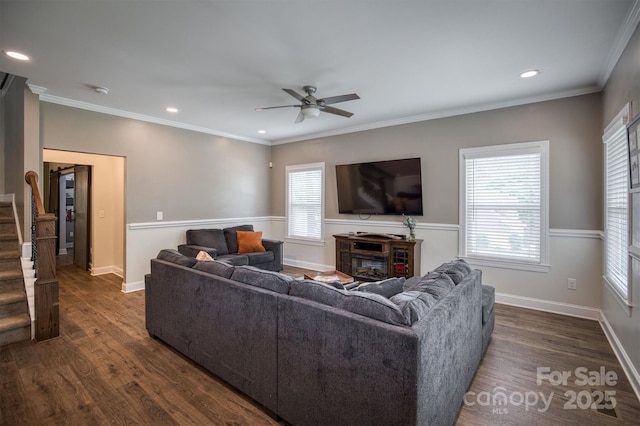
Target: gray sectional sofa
[391,353]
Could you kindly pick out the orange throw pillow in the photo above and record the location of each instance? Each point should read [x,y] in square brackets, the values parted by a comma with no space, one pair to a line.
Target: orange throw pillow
[250,242]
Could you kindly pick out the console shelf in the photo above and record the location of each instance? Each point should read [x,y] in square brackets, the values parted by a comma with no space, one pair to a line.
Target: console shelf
[373,257]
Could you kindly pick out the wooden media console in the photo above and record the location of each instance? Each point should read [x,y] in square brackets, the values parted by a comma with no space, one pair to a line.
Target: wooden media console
[373,257]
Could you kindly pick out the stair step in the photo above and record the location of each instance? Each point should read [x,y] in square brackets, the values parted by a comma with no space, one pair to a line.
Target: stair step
[15,328]
[9,241]
[13,303]
[10,275]
[12,297]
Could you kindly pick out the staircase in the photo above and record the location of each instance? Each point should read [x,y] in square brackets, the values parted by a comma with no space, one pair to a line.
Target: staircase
[15,322]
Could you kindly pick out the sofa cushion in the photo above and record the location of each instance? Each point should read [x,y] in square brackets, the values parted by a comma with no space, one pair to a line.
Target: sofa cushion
[414,305]
[366,304]
[488,299]
[174,256]
[269,280]
[258,258]
[457,269]
[437,284]
[231,237]
[221,269]
[213,238]
[249,241]
[386,288]
[234,259]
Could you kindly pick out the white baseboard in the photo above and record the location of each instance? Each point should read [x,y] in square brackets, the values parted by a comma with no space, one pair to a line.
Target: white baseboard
[131,287]
[549,306]
[107,270]
[621,354]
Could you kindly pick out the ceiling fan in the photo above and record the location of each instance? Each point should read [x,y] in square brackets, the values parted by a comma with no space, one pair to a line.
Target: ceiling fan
[311,106]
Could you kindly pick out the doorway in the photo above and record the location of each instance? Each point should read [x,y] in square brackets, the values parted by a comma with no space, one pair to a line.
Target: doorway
[69,199]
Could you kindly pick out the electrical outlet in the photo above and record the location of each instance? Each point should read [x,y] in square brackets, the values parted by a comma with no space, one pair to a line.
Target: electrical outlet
[159,215]
[571,284]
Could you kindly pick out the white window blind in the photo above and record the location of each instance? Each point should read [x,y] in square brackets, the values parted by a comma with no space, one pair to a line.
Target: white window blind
[616,209]
[503,203]
[305,201]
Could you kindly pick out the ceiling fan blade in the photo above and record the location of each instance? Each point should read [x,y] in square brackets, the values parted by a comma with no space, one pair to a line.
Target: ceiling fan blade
[332,110]
[300,117]
[335,99]
[295,94]
[273,107]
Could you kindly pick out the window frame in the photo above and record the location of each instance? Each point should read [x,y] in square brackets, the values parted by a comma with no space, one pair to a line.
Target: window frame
[617,125]
[302,168]
[510,149]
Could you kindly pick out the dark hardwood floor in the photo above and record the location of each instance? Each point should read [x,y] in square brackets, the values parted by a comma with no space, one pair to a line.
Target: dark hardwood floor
[105,369]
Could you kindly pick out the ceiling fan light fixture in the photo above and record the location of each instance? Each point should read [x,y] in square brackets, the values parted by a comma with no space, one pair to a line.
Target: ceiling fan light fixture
[310,111]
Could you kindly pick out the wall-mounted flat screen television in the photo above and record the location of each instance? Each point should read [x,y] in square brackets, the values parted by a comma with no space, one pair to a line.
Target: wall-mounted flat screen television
[380,187]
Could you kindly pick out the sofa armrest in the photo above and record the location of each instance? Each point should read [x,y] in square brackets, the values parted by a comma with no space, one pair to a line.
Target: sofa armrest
[271,245]
[192,250]
[274,246]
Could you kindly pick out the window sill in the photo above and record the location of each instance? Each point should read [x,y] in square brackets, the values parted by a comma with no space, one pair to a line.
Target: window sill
[624,304]
[506,264]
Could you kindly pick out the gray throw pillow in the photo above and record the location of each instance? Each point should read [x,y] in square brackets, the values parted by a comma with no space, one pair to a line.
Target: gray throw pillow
[174,256]
[386,288]
[414,305]
[269,280]
[366,304]
[221,269]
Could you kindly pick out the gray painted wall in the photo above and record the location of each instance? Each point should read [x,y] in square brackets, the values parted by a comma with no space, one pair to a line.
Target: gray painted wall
[572,125]
[14,144]
[186,175]
[624,86]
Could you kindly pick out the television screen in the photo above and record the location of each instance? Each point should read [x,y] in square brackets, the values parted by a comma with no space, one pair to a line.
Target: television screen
[380,187]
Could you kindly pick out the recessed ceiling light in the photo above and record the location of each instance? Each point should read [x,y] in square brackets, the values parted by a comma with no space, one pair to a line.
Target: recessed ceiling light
[529,73]
[16,55]
[171,109]
[262,132]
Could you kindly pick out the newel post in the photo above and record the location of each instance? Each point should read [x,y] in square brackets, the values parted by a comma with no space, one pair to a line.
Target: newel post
[46,285]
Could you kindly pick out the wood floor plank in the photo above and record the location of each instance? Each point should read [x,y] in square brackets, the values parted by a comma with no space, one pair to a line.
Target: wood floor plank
[105,369]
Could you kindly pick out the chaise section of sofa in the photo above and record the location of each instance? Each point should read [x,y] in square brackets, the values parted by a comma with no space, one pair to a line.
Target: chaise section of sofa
[228,327]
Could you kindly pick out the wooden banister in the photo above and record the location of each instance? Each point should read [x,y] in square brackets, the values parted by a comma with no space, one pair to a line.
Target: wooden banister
[46,285]
[32,179]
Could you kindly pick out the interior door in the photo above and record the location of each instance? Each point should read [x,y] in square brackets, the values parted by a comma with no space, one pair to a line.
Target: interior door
[54,202]
[81,205]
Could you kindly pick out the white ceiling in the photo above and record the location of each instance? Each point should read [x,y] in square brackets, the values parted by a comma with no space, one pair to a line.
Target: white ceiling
[218,60]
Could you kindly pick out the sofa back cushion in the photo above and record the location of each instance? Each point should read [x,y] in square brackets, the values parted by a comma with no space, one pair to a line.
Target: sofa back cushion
[414,305]
[366,304]
[221,269]
[232,238]
[416,301]
[174,256]
[269,280]
[213,238]
[387,288]
[457,269]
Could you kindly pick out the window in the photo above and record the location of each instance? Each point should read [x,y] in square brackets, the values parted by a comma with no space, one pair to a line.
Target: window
[305,201]
[616,227]
[503,205]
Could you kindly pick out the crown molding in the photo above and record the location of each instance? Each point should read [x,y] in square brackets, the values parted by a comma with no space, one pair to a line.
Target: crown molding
[622,39]
[443,114]
[135,116]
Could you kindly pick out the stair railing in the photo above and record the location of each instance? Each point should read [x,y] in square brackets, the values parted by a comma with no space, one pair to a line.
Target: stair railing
[43,252]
